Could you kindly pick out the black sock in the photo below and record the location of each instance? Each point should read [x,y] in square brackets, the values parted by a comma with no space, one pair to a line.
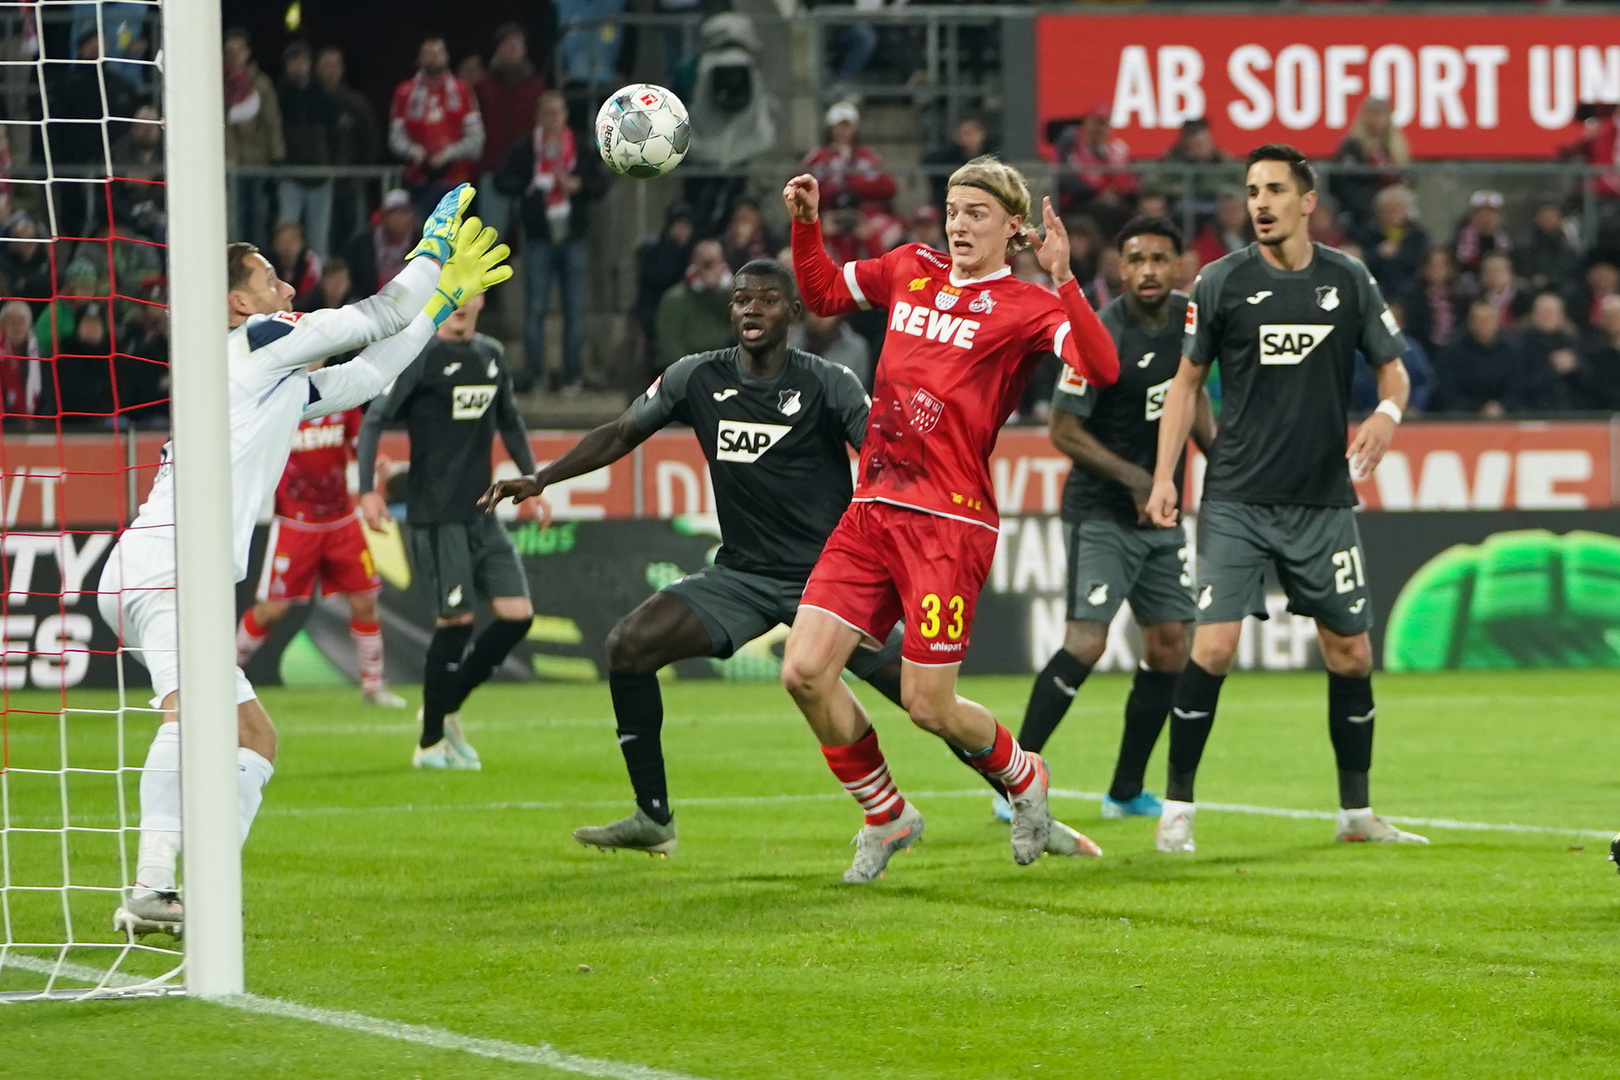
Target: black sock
[1350,726]
[1145,711]
[639,708]
[886,683]
[1050,698]
[444,652]
[488,651]
[1192,714]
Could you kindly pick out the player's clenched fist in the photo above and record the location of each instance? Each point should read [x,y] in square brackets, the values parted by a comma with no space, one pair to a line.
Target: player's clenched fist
[1161,504]
[803,198]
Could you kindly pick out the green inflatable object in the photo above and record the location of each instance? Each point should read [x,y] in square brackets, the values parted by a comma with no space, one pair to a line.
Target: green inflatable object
[304,665]
[1525,599]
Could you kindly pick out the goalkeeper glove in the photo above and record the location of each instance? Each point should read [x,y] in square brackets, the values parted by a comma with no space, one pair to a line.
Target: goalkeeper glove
[439,233]
[476,262]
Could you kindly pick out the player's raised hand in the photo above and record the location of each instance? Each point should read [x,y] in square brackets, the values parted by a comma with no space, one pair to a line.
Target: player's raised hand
[374,511]
[1161,504]
[1052,251]
[524,487]
[440,229]
[1372,441]
[476,263]
[803,198]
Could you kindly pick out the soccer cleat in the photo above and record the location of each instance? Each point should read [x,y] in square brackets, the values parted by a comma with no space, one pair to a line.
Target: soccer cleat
[1032,818]
[1066,841]
[1175,832]
[458,742]
[383,698]
[876,844]
[1614,851]
[441,755]
[1001,809]
[1143,804]
[154,913]
[1364,826]
[638,832]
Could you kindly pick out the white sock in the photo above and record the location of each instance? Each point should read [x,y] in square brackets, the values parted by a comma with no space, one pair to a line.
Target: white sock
[252,773]
[1173,807]
[159,849]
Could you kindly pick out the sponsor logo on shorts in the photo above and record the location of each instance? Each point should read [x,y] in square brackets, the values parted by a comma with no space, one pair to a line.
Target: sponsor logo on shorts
[944,646]
[453,597]
[1355,608]
[471,402]
[1206,598]
[1291,343]
[744,443]
[1154,406]
[1097,593]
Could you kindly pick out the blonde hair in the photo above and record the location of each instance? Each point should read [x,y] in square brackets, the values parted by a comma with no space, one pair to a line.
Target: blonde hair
[990,174]
[1392,142]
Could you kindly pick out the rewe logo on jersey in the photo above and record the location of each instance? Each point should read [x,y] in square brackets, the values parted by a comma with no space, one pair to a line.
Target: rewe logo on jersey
[1291,343]
[744,442]
[471,402]
[937,326]
[1155,400]
[320,436]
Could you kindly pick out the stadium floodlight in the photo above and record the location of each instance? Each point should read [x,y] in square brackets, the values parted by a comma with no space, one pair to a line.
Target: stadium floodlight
[60,879]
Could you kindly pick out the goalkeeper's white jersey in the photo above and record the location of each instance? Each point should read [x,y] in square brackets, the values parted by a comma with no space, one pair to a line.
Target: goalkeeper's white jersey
[272,392]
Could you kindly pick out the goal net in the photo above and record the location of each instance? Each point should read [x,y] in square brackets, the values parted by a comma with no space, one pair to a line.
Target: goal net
[84,353]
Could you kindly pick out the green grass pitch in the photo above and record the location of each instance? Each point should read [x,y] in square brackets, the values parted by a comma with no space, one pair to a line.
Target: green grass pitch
[460,901]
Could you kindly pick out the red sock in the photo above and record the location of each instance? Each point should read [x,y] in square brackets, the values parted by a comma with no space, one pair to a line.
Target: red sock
[1007,762]
[368,646]
[865,775]
[249,636]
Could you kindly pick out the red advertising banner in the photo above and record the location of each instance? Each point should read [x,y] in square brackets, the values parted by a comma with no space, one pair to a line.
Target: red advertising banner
[1460,86]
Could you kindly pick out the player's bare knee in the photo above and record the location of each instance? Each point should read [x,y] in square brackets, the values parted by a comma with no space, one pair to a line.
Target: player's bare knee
[1350,656]
[445,622]
[512,608]
[1214,646]
[1085,639]
[363,606]
[255,730]
[808,679]
[1166,646]
[629,648]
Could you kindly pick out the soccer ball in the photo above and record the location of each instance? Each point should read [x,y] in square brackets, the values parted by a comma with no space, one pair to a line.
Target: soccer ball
[642,131]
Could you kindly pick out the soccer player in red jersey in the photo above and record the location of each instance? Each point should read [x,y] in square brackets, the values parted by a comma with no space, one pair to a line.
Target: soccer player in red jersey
[316,535]
[964,336]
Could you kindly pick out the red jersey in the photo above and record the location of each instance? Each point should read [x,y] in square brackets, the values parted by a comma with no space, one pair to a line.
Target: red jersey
[955,361]
[434,113]
[315,487]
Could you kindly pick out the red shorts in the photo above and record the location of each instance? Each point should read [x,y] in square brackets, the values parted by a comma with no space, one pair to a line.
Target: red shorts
[885,563]
[297,553]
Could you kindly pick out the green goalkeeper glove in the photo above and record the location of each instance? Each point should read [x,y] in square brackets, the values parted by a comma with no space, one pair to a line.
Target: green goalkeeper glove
[476,263]
[439,232]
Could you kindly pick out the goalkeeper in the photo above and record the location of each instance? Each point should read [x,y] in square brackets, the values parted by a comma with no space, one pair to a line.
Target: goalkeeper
[267,353]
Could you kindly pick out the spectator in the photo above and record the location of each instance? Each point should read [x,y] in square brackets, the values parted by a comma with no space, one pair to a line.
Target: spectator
[854,40]
[1601,279]
[1085,246]
[847,168]
[1324,224]
[847,232]
[435,128]
[1228,232]
[1187,269]
[1105,284]
[336,288]
[661,263]
[591,39]
[1551,350]
[356,140]
[377,253]
[25,263]
[1092,177]
[253,135]
[123,35]
[1481,232]
[295,262]
[1377,150]
[58,320]
[74,93]
[137,197]
[1497,284]
[1394,242]
[26,391]
[1482,370]
[1364,390]
[1026,267]
[1599,145]
[1594,385]
[1432,303]
[1195,146]
[308,121]
[84,371]
[746,237]
[968,141]
[141,366]
[830,337]
[1546,257]
[695,315]
[557,183]
[926,227]
[508,94]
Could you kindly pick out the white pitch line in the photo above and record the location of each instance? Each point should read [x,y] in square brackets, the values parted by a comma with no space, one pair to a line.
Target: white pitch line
[500,1050]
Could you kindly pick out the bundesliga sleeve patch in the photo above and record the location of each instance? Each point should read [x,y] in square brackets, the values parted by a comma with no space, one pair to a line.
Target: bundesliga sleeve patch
[1071,382]
[1191,325]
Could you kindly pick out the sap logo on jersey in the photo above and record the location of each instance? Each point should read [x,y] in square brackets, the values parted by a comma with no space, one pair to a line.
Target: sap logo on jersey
[471,402]
[1291,343]
[920,322]
[1155,400]
[744,443]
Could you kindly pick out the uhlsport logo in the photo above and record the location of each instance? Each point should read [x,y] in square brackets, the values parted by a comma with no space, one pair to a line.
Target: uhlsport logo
[1291,343]
[744,443]
[471,402]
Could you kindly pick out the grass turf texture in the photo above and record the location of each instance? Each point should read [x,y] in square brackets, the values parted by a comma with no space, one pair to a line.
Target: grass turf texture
[459,900]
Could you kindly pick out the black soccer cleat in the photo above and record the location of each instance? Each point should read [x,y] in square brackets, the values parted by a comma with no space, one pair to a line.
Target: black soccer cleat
[1614,851]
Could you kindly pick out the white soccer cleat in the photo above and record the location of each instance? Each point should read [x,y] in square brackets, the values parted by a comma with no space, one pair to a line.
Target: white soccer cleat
[153,913]
[458,742]
[1031,817]
[1175,832]
[1364,826]
[1063,840]
[441,755]
[383,698]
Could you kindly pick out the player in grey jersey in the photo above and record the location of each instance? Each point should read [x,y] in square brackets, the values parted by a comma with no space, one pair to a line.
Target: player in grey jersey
[775,425]
[1285,318]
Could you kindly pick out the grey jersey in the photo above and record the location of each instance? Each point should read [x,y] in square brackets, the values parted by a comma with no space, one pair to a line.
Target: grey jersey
[1286,342]
[777,450]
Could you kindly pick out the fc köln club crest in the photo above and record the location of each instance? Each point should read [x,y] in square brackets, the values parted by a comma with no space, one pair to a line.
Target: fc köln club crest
[982,304]
[926,410]
[947,297]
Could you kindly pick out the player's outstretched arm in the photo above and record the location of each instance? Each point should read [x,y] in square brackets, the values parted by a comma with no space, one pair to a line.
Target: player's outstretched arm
[1174,425]
[599,448]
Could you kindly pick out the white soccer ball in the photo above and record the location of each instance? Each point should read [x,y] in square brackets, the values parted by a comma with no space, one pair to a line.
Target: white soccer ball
[642,131]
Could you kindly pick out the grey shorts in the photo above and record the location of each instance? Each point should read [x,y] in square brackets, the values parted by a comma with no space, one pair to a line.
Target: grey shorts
[1109,564]
[456,561]
[736,607]
[1316,551]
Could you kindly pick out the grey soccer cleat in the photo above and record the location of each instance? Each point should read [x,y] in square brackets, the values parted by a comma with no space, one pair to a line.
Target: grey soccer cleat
[638,832]
[876,844]
[383,698]
[154,913]
[441,755]
[458,741]
[1364,826]
[1066,841]
[1032,818]
[1175,832]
